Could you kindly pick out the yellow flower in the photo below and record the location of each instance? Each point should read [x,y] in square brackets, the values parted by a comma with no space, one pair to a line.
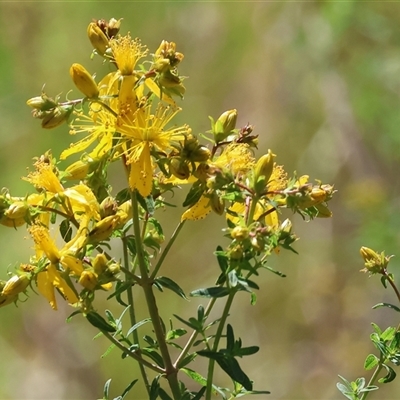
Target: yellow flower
[236,157]
[100,127]
[44,177]
[127,52]
[143,133]
[50,279]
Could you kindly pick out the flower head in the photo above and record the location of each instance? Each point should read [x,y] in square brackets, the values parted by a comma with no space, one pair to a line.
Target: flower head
[144,133]
[127,52]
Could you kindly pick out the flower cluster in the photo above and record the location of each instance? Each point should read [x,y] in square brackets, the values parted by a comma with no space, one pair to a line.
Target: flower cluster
[126,116]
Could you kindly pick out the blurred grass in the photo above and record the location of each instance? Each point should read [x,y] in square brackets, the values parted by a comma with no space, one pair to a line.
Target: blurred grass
[320,81]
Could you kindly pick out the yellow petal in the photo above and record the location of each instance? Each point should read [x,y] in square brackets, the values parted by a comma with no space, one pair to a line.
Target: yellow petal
[46,288]
[197,211]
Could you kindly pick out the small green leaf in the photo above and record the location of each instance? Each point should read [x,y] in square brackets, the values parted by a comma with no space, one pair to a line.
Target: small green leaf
[106,390]
[222,259]
[192,323]
[128,388]
[175,333]
[391,375]
[99,322]
[154,355]
[163,394]
[137,325]
[66,230]
[371,361]
[214,292]
[393,307]
[194,194]
[171,285]
[388,333]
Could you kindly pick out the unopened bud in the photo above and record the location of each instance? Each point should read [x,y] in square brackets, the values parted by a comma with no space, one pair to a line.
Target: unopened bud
[97,38]
[17,210]
[240,233]
[224,125]
[72,263]
[263,171]
[12,222]
[217,204]
[15,285]
[42,103]
[124,213]
[179,168]
[103,229]
[56,117]
[200,154]
[77,170]
[84,81]
[108,207]
[374,262]
[100,264]
[88,280]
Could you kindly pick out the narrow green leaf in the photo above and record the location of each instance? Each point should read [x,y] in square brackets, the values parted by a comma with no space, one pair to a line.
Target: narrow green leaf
[108,351]
[163,394]
[188,359]
[393,307]
[128,388]
[388,333]
[137,325]
[200,393]
[99,322]
[192,323]
[391,375]
[248,351]
[371,361]
[175,333]
[154,388]
[214,292]
[106,390]
[194,194]
[222,259]
[66,230]
[154,355]
[171,285]
[72,315]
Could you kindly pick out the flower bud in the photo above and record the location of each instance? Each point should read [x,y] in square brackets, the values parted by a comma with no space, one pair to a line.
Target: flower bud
[15,285]
[224,125]
[124,213]
[42,103]
[12,222]
[97,38]
[103,229]
[113,27]
[72,263]
[17,210]
[264,168]
[55,117]
[108,207]
[100,264]
[179,168]
[217,204]
[240,233]
[200,154]
[88,280]
[114,268]
[77,170]
[84,81]
[374,262]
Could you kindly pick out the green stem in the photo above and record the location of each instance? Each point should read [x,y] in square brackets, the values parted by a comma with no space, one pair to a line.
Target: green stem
[167,248]
[217,338]
[373,377]
[194,334]
[132,315]
[147,286]
[132,354]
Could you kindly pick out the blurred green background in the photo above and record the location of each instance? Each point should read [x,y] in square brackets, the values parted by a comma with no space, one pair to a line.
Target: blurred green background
[320,82]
